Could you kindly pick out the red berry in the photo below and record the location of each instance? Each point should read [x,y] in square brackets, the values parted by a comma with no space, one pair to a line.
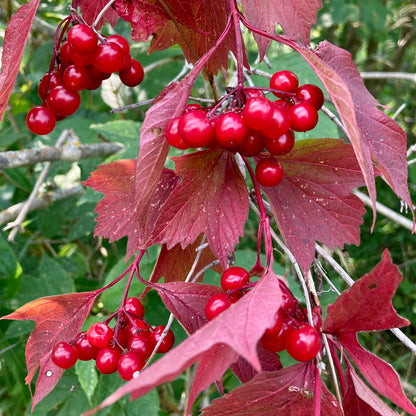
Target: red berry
[121,41]
[276,327]
[134,307]
[48,82]
[40,120]
[108,57]
[172,135]
[303,343]
[234,278]
[167,342]
[64,57]
[82,39]
[192,107]
[269,172]
[95,73]
[79,58]
[76,78]
[63,102]
[279,123]
[304,116]
[275,342]
[310,93]
[253,92]
[86,351]
[230,130]
[142,344]
[133,75]
[99,334]
[258,113]
[216,304]
[195,129]
[252,144]
[281,145]
[64,355]
[107,359]
[139,327]
[122,337]
[285,81]
[129,364]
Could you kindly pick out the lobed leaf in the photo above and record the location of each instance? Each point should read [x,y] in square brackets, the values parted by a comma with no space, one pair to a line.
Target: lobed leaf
[289,391]
[57,318]
[211,198]
[313,202]
[224,336]
[367,304]
[15,37]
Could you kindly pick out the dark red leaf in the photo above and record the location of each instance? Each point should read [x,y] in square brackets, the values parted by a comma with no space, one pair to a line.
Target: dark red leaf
[225,336]
[360,400]
[57,318]
[367,305]
[286,392]
[175,264]
[379,374]
[313,202]
[211,198]
[91,9]
[296,18]
[14,42]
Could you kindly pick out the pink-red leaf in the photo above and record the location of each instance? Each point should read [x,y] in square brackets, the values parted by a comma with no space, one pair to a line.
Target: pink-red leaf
[91,9]
[313,201]
[360,400]
[286,392]
[57,318]
[225,336]
[211,198]
[296,18]
[14,42]
[367,305]
[379,374]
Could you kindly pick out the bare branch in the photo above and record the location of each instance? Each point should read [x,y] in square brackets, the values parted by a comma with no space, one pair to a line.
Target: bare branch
[386,75]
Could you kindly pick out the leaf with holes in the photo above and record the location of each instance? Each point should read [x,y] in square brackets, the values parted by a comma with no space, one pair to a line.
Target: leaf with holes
[314,201]
[57,318]
[211,198]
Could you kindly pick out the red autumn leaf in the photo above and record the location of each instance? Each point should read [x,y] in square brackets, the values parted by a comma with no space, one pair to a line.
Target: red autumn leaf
[57,318]
[360,400]
[187,302]
[196,43]
[379,374]
[14,42]
[295,17]
[373,134]
[289,391]
[117,211]
[91,9]
[211,198]
[175,264]
[225,336]
[367,304]
[313,202]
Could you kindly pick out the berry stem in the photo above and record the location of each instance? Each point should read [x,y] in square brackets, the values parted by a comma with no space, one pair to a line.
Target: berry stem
[264,225]
[100,15]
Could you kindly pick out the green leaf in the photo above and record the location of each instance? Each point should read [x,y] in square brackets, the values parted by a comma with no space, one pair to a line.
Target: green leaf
[87,376]
[10,268]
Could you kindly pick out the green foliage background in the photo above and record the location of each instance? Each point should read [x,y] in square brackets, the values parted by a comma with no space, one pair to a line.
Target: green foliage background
[57,252]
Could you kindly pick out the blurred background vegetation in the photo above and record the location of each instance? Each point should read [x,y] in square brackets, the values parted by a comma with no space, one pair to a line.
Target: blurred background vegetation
[58,253]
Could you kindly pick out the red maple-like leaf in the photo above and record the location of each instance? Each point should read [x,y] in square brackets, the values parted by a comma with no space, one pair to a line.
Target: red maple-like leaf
[288,392]
[313,202]
[360,400]
[118,212]
[14,42]
[225,337]
[175,264]
[373,134]
[91,9]
[57,318]
[367,305]
[211,198]
[295,17]
[379,374]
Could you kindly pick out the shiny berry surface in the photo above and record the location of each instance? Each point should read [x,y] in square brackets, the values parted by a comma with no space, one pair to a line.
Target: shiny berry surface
[41,120]
[269,172]
[195,129]
[107,359]
[217,304]
[99,334]
[76,78]
[285,81]
[167,342]
[172,135]
[134,307]
[48,82]
[82,39]
[64,355]
[63,102]
[303,343]
[279,123]
[234,278]
[129,364]
[230,130]
[282,144]
[312,94]
[108,57]
[304,116]
[257,113]
[86,351]
[132,76]
[141,344]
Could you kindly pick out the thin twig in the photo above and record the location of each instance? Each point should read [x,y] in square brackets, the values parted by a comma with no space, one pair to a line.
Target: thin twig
[101,14]
[389,75]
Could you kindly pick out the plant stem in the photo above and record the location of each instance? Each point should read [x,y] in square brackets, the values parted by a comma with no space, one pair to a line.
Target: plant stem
[239,42]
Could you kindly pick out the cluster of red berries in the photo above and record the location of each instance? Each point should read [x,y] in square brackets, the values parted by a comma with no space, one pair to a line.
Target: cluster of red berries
[290,330]
[81,64]
[253,126]
[124,348]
